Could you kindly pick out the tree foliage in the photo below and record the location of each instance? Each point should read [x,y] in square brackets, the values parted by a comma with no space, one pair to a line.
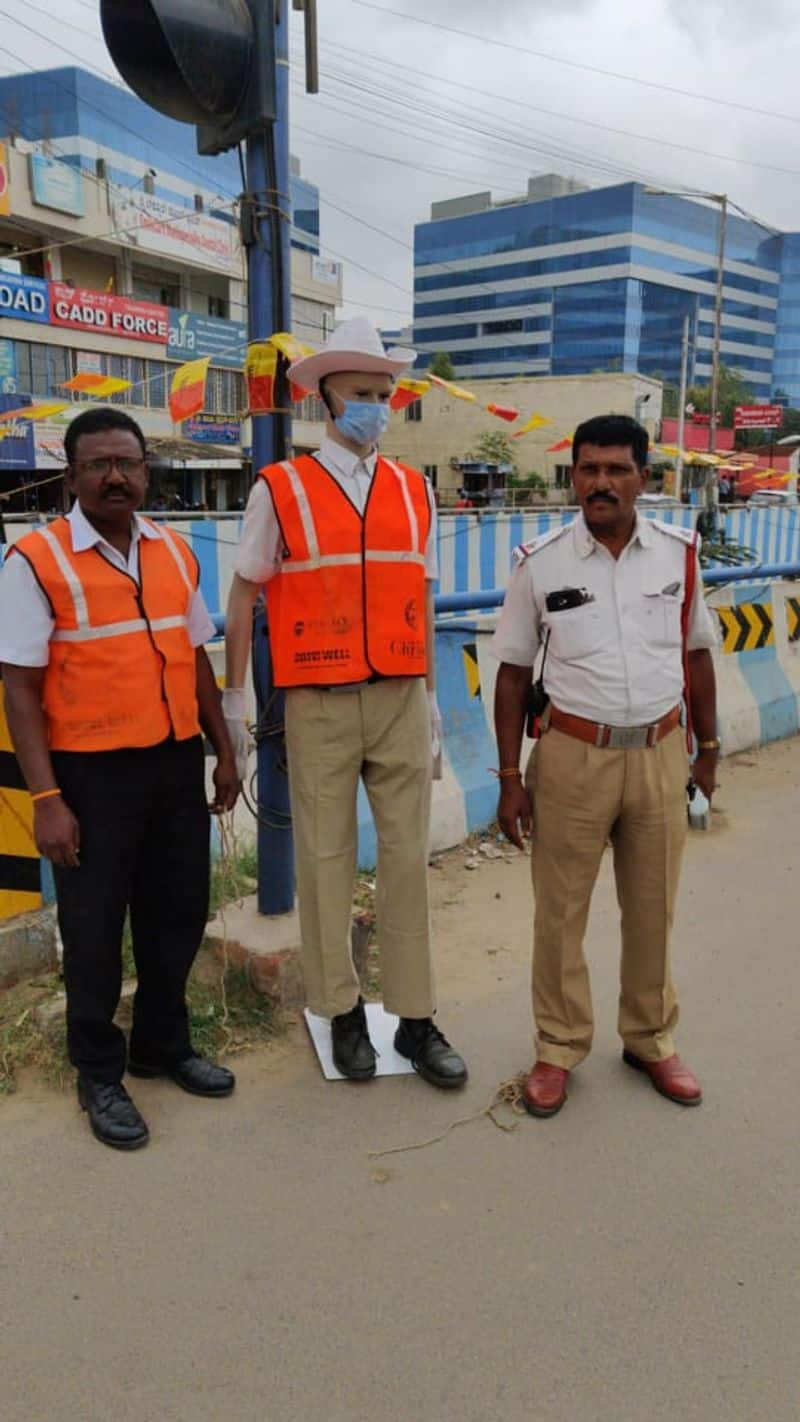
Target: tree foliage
[733,391]
[494,447]
[442,366]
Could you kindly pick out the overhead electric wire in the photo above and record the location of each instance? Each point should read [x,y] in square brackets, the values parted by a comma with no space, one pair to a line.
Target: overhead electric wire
[361,55]
[517,48]
[548,146]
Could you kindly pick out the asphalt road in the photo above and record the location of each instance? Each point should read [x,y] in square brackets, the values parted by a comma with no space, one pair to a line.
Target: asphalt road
[627,1261]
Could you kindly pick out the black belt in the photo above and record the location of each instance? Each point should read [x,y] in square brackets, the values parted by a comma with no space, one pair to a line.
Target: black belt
[354,685]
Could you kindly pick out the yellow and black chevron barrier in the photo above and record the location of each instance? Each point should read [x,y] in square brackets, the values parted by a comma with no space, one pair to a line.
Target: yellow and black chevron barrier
[746,627]
[20,877]
[793,618]
[471,669]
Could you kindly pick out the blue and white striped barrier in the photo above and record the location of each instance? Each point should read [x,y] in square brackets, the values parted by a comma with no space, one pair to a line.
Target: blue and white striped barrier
[475,548]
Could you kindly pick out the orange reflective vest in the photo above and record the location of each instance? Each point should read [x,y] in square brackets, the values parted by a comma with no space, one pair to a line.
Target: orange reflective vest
[122,667]
[349,600]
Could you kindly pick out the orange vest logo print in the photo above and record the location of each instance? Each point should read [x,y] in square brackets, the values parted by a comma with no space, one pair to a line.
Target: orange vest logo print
[122,671]
[349,600]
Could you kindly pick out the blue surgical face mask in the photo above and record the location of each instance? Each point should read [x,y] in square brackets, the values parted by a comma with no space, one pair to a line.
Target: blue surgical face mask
[363,421]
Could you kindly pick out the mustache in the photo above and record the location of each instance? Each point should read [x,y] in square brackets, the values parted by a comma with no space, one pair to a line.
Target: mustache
[602,499]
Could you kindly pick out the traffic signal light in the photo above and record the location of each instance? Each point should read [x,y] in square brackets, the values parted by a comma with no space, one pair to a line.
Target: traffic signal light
[206,62]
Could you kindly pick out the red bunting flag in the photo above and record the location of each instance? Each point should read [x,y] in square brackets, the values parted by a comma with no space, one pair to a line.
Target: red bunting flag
[291,349]
[560,444]
[407,391]
[260,369]
[90,383]
[503,412]
[187,394]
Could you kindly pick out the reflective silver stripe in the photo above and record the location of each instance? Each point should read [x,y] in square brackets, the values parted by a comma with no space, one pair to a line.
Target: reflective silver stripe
[349,560]
[306,516]
[173,548]
[324,560]
[412,517]
[395,556]
[74,584]
[119,629]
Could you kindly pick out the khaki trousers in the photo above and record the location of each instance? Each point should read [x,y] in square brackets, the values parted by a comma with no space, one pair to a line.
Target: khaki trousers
[582,797]
[380,733]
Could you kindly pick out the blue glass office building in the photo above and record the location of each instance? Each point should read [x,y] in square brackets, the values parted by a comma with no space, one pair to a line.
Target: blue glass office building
[80,115]
[601,279]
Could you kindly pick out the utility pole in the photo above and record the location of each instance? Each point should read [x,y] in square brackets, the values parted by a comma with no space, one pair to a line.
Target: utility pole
[267,221]
[223,65]
[682,407]
[712,491]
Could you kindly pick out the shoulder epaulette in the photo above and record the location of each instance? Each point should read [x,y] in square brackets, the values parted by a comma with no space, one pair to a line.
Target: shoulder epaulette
[686,535]
[524,550]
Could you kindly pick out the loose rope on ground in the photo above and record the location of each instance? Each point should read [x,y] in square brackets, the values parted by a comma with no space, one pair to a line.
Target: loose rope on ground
[507,1094]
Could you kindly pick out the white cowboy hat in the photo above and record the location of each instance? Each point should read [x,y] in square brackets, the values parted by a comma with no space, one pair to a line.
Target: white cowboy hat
[354,346]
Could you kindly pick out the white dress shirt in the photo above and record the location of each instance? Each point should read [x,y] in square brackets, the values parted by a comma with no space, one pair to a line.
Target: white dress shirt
[616,659]
[26,621]
[260,552]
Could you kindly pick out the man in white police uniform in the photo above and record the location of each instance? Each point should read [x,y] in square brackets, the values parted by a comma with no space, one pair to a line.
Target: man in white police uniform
[617,603]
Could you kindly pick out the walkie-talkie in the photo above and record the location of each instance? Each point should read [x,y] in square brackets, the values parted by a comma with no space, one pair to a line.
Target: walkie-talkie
[538,699]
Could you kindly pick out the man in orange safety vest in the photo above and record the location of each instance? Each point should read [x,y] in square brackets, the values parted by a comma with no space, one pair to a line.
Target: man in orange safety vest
[107,688]
[344,544]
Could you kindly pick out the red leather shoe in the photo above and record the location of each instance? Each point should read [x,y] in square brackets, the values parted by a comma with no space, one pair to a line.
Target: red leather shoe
[545,1091]
[672,1078]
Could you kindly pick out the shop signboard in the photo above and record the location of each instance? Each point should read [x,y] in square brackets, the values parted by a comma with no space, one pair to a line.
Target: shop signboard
[153,225]
[48,440]
[17,447]
[192,336]
[8,368]
[5,184]
[24,298]
[211,429]
[56,185]
[123,316]
[758,417]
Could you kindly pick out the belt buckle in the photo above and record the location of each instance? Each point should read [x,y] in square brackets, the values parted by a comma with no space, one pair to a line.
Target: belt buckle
[627,737]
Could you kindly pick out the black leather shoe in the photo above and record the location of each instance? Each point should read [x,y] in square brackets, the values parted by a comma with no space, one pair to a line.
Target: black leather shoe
[112,1115]
[195,1074]
[430,1053]
[353,1053]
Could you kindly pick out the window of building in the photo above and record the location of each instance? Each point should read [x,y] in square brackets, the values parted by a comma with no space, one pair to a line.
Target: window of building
[431,471]
[41,369]
[217,306]
[310,408]
[159,287]
[327,324]
[225,392]
[413,413]
[563,476]
[499,328]
[157,377]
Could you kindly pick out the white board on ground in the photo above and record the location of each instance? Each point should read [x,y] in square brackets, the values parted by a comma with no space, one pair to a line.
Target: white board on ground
[382,1027]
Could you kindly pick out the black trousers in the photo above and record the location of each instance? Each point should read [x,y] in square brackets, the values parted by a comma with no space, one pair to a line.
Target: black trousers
[144,827]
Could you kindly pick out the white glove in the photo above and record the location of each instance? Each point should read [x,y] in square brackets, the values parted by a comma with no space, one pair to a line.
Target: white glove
[436,734]
[235,713]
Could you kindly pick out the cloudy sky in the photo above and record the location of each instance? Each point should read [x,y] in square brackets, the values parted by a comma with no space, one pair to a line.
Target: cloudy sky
[428,99]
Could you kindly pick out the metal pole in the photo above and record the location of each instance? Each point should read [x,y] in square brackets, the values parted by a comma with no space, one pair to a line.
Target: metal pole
[711,477]
[682,406]
[268,310]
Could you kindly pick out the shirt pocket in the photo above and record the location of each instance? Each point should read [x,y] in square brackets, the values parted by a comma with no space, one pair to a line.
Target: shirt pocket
[575,632]
[662,615]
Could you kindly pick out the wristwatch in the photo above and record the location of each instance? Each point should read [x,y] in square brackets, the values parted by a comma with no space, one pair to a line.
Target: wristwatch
[709,745]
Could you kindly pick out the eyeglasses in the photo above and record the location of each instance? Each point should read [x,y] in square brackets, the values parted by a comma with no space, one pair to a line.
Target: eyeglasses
[102,466]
